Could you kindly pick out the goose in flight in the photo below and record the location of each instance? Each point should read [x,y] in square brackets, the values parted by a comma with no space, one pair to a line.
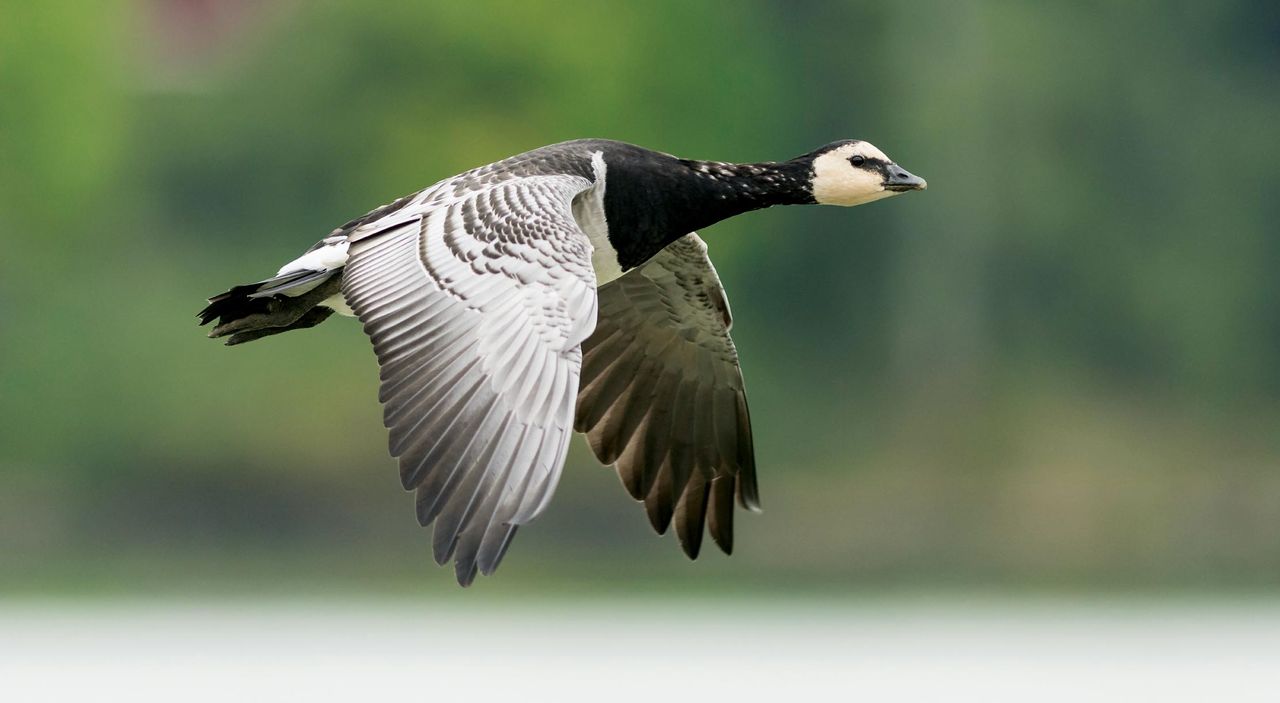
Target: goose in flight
[559,290]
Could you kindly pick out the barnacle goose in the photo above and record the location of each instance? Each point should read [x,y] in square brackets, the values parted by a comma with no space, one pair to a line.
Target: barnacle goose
[561,289]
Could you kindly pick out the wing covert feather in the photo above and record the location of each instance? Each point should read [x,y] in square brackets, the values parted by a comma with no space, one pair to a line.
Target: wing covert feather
[476,310]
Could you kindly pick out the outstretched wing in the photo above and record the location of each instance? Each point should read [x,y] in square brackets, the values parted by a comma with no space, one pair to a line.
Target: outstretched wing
[477,308]
[662,395]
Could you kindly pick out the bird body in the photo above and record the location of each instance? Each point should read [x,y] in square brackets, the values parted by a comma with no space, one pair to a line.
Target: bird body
[561,289]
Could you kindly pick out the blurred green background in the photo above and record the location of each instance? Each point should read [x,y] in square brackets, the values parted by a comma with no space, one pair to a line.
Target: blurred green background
[1059,369]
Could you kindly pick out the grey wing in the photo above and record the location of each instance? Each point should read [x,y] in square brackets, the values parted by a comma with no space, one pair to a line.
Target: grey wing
[477,309]
[662,396]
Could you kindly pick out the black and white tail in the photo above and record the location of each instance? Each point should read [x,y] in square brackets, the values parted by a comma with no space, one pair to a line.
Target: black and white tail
[290,301]
[303,294]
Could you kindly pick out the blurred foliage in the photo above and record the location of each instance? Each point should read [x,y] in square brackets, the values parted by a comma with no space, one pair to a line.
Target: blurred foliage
[1060,367]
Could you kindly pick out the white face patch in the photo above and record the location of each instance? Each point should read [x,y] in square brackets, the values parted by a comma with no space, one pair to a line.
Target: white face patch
[866,149]
[838,182]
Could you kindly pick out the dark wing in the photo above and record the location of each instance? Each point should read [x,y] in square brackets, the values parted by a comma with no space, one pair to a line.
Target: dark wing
[662,395]
[477,306]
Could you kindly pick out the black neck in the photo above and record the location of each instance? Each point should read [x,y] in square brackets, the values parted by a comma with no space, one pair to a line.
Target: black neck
[653,199]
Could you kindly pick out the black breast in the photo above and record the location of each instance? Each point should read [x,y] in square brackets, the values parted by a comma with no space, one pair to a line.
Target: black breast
[653,199]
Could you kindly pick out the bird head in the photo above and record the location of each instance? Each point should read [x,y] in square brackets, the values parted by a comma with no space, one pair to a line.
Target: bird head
[853,172]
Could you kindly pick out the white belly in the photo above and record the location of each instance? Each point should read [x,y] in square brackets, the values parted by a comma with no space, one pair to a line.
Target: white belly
[338,304]
[588,210]
[604,259]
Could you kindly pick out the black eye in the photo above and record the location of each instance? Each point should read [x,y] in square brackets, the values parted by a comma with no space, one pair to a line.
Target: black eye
[858,160]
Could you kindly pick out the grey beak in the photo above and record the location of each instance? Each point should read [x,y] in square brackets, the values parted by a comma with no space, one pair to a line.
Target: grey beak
[901,180]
